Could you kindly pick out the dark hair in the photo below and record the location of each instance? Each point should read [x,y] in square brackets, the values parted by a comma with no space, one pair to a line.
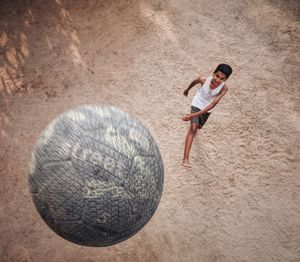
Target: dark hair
[225,69]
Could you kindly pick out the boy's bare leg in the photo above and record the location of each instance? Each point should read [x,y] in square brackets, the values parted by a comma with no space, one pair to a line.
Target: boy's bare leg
[188,144]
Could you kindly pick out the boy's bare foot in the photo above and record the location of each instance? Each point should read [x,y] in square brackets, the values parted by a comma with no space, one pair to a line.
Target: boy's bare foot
[186,163]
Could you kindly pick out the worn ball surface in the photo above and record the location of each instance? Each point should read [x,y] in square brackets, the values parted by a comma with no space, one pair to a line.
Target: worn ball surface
[96,175]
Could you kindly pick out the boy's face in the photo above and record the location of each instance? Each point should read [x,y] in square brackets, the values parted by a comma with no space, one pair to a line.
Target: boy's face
[218,78]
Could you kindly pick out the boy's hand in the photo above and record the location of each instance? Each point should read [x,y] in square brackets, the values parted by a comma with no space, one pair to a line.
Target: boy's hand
[187,117]
[186,92]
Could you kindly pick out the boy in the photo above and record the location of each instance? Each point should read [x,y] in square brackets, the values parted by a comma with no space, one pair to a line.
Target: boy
[210,92]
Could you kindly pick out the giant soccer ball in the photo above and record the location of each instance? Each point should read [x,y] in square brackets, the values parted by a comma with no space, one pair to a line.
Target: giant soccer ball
[96,175]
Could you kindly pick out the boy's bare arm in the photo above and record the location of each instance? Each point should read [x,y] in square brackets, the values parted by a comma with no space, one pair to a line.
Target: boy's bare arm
[199,80]
[215,101]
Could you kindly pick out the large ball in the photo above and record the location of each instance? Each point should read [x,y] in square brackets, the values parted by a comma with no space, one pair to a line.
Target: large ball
[96,175]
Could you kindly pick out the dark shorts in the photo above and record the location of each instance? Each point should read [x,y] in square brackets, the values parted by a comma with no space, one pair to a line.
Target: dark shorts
[199,119]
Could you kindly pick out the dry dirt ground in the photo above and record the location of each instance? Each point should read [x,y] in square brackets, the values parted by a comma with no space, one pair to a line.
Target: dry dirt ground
[241,201]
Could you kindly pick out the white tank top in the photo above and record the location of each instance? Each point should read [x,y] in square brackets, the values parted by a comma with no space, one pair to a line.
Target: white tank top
[205,95]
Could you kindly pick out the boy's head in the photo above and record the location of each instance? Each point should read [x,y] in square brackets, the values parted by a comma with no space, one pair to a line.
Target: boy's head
[225,69]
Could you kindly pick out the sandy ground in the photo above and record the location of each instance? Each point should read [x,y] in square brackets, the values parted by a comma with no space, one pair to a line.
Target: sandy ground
[241,201]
